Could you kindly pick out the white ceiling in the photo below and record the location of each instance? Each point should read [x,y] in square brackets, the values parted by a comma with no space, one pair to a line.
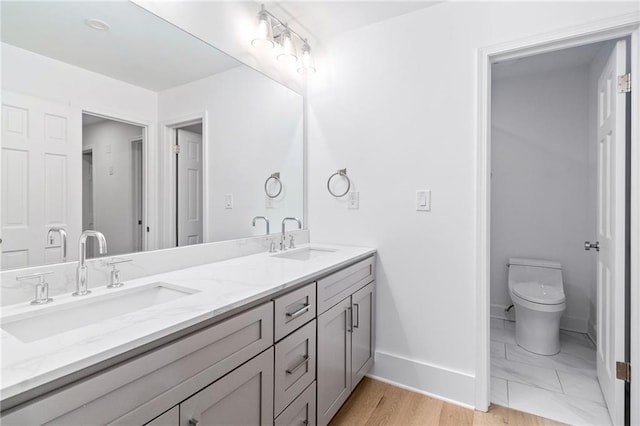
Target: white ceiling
[139,48]
[547,62]
[325,19]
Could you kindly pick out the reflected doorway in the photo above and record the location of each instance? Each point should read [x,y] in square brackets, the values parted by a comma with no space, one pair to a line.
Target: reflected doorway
[113,183]
[189,194]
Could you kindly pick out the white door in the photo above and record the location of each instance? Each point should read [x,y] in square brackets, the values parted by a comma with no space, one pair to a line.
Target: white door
[611,230]
[41,179]
[189,197]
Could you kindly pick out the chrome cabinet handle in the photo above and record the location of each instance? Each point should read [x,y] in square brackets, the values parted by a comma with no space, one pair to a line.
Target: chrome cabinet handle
[305,359]
[349,320]
[588,245]
[299,312]
[193,422]
[357,313]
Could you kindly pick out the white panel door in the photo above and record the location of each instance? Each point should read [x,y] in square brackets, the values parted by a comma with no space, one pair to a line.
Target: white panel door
[189,197]
[611,231]
[41,179]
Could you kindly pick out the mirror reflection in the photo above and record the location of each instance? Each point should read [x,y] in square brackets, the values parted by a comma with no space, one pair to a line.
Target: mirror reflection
[115,120]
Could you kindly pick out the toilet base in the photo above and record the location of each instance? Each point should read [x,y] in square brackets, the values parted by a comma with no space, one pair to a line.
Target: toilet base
[538,332]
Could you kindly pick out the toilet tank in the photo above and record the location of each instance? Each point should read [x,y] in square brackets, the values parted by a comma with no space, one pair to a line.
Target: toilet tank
[532,270]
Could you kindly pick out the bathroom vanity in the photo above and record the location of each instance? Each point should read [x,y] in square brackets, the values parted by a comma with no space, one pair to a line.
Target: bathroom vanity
[261,339]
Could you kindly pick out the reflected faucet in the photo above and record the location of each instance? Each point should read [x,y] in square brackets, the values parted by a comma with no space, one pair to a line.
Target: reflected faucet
[283,246]
[81,275]
[63,240]
[263,218]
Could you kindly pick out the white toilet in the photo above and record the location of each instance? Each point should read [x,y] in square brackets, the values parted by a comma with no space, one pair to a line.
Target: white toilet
[537,292]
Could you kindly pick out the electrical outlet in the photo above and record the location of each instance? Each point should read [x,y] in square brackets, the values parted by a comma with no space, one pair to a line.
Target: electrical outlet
[268,202]
[354,200]
[108,148]
[228,201]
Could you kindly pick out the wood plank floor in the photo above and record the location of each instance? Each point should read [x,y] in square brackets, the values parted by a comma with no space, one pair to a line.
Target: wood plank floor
[377,403]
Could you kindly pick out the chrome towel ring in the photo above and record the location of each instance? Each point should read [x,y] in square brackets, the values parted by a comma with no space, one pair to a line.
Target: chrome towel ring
[343,173]
[276,177]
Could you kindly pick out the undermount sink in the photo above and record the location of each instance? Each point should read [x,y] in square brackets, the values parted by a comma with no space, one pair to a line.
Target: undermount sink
[305,253]
[52,320]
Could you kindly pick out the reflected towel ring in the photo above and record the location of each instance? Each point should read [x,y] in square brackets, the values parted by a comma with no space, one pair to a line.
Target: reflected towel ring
[343,173]
[275,176]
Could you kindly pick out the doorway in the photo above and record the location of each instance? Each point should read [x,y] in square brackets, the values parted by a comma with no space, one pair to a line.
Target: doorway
[557,179]
[113,182]
[188,184]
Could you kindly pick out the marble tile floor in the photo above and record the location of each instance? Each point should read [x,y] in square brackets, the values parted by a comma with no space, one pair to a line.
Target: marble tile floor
[560,387]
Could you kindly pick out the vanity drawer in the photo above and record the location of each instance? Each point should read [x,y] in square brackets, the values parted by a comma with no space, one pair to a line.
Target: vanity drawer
[295,365]
[294,310]
[335,287]
[302,410]
[136,391]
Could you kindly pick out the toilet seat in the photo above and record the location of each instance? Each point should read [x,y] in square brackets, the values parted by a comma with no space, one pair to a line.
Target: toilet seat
[536,292]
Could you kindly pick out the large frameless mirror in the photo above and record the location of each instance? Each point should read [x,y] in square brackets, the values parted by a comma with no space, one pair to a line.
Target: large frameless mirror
[117,121]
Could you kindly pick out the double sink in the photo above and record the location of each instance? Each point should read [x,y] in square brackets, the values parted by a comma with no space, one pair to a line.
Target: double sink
[45,322]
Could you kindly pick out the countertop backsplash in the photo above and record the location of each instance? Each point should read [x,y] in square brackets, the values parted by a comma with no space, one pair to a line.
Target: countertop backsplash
[63,279]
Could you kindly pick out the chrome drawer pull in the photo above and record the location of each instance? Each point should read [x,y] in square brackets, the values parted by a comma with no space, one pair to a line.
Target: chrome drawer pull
[305,359]
[299,312]
[193,422]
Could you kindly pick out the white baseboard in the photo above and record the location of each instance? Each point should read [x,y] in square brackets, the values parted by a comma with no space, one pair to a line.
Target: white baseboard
[441,383]
[579,325]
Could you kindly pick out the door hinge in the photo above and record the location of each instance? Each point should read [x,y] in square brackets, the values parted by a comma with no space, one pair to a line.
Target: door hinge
[176,149]
[623,371]
[624,83]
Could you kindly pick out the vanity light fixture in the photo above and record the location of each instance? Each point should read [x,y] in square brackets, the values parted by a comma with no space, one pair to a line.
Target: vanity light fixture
[264,32]
[268,24]
[97,24]
[307,65]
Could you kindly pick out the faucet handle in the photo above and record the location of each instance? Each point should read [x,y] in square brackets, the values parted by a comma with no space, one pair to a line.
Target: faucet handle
[42,288]
[115,261]
[114,276]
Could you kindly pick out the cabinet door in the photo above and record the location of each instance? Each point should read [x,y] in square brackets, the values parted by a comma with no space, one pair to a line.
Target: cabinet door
[362,338]
[334,360]
[242,397]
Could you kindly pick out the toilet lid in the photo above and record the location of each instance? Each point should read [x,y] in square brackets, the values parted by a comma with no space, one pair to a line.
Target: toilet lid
[538,293]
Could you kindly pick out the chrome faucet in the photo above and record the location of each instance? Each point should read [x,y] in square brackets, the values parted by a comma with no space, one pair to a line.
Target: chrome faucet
[283,246]
[81,274]
[63,240]
[265,220]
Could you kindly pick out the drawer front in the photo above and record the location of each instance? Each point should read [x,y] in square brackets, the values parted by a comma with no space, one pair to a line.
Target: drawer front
[295,365]
[302,410]
[136,391]
[294,310]
[336,287]
[170,418]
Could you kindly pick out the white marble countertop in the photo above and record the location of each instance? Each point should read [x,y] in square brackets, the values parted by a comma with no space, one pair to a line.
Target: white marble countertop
[218,288]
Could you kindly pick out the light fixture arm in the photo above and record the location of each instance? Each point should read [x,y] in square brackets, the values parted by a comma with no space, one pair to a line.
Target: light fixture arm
[280,24]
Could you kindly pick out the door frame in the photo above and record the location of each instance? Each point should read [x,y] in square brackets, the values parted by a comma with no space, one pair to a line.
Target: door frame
[168,178]
[608,29]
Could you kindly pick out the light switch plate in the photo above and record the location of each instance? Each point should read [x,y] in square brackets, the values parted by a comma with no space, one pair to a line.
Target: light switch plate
[423,200]
[354,200]
[228,201]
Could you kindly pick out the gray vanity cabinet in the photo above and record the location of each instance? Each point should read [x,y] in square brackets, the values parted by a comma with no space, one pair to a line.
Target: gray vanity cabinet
[345,335]
[362,336]
[242,397]
[302,411]
[334,360]
[170,418]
